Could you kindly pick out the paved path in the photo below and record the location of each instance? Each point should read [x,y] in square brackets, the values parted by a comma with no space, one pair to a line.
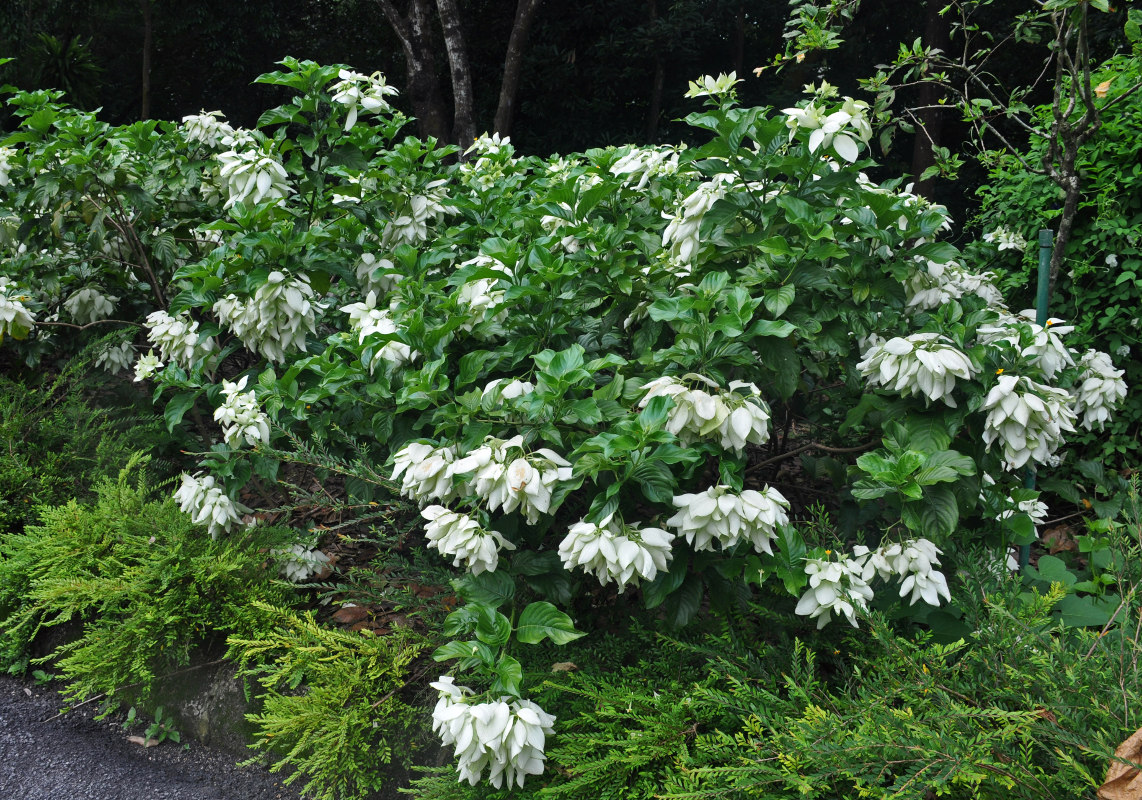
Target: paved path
[75,758]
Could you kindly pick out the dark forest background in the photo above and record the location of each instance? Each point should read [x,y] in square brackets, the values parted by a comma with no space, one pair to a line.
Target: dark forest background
[579,74]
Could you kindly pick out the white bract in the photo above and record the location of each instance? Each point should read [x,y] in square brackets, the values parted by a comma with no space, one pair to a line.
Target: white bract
[276,319]
[300,563]
[178,339]
[252,176]
[147,366]
[480,298]
[504,476]
[115,358]
[924,364]
[1027,418]
[680,239]
[413,213]
[207,504]
[617,552]
[721,516]
[507,738]
[207,127]
[461,537]
[1099,390]
[1045,348]
[366,319]
[1036,509]
[914,561]
[6,156]
[645,163]
[366,93]
[426,471]
[497,391]
[709,86]
[735,419]
[839,129]
[834,587]
[1006,239]
[15,318]
[89,305]
[240,417]
[377,274]
[941,283]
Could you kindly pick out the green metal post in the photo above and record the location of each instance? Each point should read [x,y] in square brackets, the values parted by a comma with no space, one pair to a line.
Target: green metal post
[1046,238]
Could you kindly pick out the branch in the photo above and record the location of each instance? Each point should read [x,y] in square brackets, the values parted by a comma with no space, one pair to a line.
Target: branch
[811,446]
[88,325]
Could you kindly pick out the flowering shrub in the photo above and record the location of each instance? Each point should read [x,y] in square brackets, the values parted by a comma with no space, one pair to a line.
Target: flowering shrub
[588,372]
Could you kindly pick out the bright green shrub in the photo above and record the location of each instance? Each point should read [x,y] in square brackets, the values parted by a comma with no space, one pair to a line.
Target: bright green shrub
[144,584]
[334,705]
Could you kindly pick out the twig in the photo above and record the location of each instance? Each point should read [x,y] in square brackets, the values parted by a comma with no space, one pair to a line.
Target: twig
[810,446]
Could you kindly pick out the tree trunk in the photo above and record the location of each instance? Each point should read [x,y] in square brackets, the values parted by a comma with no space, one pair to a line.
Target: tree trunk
[148,41]
[463,115]
[423,86]
[928,132]
[513,63]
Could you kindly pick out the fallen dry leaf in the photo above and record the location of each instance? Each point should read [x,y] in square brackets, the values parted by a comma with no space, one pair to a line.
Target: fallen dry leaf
[1059,539]
[1124,781]
[348,615]
[144,742]
[564,666]
[1102,89]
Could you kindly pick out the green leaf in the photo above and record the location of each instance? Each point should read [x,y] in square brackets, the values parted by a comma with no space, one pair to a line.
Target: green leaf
[541,620]
[1081,611]
[777,300]
[935,515]
[177,407]
[492,627]
[944,466]
[508,674]
[682,606]
[487,589]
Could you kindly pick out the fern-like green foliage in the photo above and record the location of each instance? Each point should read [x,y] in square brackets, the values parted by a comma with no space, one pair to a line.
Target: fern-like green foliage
[145,584]
[336,705]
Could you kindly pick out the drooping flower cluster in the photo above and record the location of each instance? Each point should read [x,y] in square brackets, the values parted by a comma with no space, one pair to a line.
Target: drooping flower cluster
[377,274]
[252,176]
[178,339]
[1100,389]
[834,587]
[1027,418]
[89,305]
[942,283]
[414,212]
[241,418]
[480,298]
[503,476]
[115,358]
[300,563]
[615,551]
[1006,239]
[921,364]
[680,239]
[914,561]
[366,319]
[507,738]
[645,163]
[6,156]
[207,127]
[838,130]
[1036,509]
[208,504]
[364,92]
[720,516]
[1041,345]
[276,319]
[460,536]
[496,392]
[734,418]
[426,471]
[494,156]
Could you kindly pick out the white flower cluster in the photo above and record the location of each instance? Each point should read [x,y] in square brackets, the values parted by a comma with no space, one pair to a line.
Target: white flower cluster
[503,477]
[276,319]
[480,297]
[300,563]
[208,128]
[709,86]
[240,417]
[177,338]
[426,471]
[115,358]
[645,163]
[493,155]
[497,391]
[413,214]
[834,587]
[365,92]
[1036,509]
[736,419]
[921,364]
[838,130]
[914,561]
[147,366]
[1046,349]
[207,504]
[942,283]
[505,737]
[1006,239]
[460,536]
[6,156]
[377,274]
[15,318]
[680,239]
[366,319]
[89,305]
[252,176]
[617,552]
[1100,388]
[1027,418]
[718,515]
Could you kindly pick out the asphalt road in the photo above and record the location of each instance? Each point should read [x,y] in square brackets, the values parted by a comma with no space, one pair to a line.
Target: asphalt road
[73,757]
